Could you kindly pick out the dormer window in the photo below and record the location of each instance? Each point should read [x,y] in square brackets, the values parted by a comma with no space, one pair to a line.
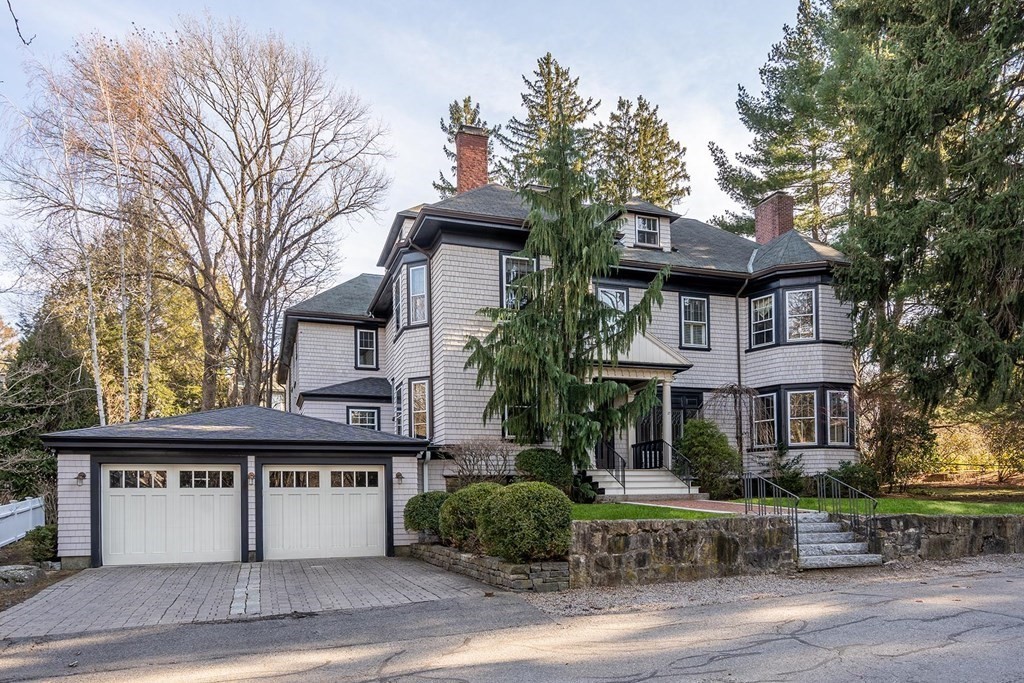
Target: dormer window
[647,231]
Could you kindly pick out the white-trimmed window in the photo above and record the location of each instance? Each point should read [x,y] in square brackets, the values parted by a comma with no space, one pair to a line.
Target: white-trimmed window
[364,417]
[396,302]
[396,402]
[647,231]
[419,409]
[762,320]
[513,268]
[803,423]
[764,421]
[839,418]
[693,312]
[615,297]
[799,314]
[417,295]
[366,348]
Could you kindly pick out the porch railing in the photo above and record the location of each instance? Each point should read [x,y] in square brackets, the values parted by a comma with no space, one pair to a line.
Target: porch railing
[853,505]
[608,459]
[659,454]
[764,497]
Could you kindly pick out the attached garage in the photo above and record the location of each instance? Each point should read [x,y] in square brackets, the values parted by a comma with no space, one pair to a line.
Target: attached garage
[229,485]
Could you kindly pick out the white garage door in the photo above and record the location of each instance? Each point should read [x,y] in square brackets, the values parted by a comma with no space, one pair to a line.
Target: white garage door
[323,511]
[164,514]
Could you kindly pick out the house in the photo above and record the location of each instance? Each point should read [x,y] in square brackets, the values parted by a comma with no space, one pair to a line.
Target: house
[750,334]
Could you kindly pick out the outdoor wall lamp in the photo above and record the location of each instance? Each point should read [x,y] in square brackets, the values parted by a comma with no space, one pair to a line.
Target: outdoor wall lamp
[399,477]
[80,478]
[252,478]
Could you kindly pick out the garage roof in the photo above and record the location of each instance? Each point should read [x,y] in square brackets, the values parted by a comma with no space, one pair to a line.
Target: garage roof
[250,426]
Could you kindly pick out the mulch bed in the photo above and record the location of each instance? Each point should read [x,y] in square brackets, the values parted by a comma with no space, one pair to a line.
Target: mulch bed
[20,553]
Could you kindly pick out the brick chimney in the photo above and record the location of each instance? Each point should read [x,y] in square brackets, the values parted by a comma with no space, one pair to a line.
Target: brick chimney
[470,158]
[773,217]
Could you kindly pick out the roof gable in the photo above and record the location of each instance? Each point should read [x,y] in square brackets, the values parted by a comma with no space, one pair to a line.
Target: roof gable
[793,248]
[491,200]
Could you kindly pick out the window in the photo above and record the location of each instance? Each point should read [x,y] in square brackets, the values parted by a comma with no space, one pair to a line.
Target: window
[294,479]
[764,421]
[800,315]
[355,479]
[138,479]
[803,428]
[694,316]
[513,268]
[839,418]
[417,295]
[396,302]
[615,297]
[366,348]
[419,410]
[206,479]
[647,231]
[762,320]
[364,417]
[396,401]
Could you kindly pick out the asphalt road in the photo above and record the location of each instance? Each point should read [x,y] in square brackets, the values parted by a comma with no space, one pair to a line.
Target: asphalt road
[959,625]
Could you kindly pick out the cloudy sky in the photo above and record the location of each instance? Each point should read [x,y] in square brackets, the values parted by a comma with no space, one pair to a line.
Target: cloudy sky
[408,60]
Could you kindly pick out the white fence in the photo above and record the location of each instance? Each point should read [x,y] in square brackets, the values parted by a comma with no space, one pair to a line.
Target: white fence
[18,518]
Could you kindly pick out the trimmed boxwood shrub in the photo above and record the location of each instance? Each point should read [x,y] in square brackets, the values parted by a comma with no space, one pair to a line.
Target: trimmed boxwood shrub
[526,522]
[43,543]
[458,516]
[423,512]
[716,464]
[858,475]
[546,465]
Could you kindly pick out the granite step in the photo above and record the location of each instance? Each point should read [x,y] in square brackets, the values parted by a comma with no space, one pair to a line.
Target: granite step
[820,527]
[829,537]
[839,561]
[813,517]
[817,549]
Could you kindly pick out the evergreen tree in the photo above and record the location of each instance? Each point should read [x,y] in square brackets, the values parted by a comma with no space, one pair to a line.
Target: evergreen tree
[637,156]
[460,113]
[549,353]
[799,135]
[937,247]
[551,99]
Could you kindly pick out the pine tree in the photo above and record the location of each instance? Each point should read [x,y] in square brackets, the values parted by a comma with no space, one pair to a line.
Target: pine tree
[461,113]
[934,92]
[551,99]
[548,355]
[799,135]
[637,156]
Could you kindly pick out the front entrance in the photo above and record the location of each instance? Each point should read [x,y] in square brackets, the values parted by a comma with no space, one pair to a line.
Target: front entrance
[314,511]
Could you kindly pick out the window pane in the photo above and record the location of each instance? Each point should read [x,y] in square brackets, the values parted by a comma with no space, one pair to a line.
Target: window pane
[802,417]
[131,479]
[314,480]
[361,480]
[349,479]
[417,294]
[800,315]
[647,230]
[616,298]
[288,480]
[396,304]
[419,410]
[116,479]
[185,479]
[227,480]
[513,268]
[336,480]
[160,479]
[275,480]
[372,479]
[199,479]
[300,480]
[145,479]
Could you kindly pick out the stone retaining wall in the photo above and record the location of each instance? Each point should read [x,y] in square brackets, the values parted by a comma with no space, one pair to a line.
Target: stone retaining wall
[634,552]
[540,577]
[946,537]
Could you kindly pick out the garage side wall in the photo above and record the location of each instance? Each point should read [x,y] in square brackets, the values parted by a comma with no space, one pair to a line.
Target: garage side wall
[402,492]
[73,519]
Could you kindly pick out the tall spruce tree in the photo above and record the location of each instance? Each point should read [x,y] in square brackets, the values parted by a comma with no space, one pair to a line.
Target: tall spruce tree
[464,112]
[799,134]
[545,359]
[637,156]
[551,99]
[936,99]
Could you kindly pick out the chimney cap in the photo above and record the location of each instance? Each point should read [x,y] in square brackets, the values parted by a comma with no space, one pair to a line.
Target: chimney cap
[781,193]
[471,130]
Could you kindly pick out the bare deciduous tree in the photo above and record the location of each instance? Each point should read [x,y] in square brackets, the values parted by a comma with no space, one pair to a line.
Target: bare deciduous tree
[481,460]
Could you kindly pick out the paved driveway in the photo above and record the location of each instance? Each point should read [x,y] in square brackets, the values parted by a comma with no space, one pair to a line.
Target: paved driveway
[126,597]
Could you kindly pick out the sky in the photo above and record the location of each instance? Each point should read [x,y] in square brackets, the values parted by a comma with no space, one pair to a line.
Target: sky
[408,60]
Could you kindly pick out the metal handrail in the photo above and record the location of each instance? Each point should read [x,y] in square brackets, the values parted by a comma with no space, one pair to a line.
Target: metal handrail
[764,497]
[606,452]
[838,498]
[680,466]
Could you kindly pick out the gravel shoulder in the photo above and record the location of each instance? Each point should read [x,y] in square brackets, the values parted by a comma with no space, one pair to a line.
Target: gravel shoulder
[633,599]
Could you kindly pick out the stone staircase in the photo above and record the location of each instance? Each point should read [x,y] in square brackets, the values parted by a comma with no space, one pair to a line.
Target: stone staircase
[642,485]
[825,544]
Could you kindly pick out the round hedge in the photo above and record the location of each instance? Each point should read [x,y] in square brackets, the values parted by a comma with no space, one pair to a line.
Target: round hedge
[546,465]
[422,512]
[526,522]
[458,517]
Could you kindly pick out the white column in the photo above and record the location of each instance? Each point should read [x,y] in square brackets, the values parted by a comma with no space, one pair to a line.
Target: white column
[666,411]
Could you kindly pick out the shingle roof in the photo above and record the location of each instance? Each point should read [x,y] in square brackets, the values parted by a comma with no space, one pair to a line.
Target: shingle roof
[350,298]
[376,388]
[491,200]
[244,424]
[640,206]
[699,245]
[792,248]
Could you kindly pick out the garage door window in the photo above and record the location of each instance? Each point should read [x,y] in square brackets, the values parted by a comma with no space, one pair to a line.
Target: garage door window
[138,479]
[295,479]
[206,479]
[355,479]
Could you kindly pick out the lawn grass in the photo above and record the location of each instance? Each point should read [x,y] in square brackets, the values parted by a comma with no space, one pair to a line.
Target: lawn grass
[898,505]
[627,511]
